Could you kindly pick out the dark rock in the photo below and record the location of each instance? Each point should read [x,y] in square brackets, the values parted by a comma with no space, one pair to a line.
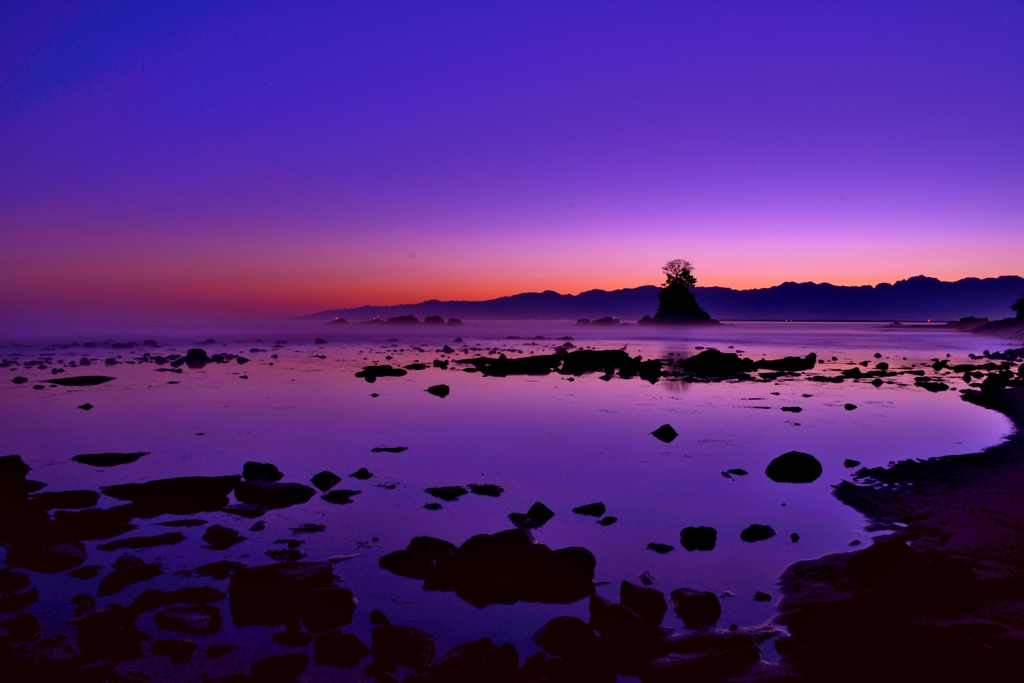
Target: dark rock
[660,548]
[794,537]
[478,660]
[377,618]
[608,521]
[85,573]
[395,646]
[757,532]
[93,525]
[46,559]
[696,608]
[738,472]
[65,500]
[440,390]
[108,459]
[489,490]
[761,596]
[83,604]
[433,506]
[342,650]
[293,638]
[567,637]
[308,528]
[648,603]
[194,619]
[276,594]
[217,651]
[128,570]
[258,526]
[179,650]
[705,656]
[318,340]
[273,495]
[325,480]
[665,433]
[286,554]
[447,493]
[261,471]
[715,363]
[110,633]
[389,449]
[593,509]
[137,542]
[178,496]
[538,515]
[86,406]
[280,668]
[421,556]
[340,496]
[794,468]
[848,463]
[850,406]
[219,537]
[11,581]
[792,409]
[23,628]
[20,380]
[80,381]
[371,372]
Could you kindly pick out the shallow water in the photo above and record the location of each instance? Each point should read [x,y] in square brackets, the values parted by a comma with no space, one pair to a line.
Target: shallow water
[564,443]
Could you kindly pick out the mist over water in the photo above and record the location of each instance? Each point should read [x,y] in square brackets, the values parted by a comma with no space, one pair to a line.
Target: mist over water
[541,438]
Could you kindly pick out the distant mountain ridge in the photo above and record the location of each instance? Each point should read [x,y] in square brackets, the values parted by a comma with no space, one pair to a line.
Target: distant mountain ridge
[916,298]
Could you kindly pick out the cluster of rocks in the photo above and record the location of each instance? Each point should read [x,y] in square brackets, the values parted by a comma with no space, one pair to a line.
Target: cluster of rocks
[565,362]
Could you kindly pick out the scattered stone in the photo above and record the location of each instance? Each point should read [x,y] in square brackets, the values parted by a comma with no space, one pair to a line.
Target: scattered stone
[738,472]
[794,537]
[377,618]
[794,467]
[646,578]
[325,480]
[108,459]
[176,496]
[537,516]
[308,528]
[608,521]
[219,570]
[371,372]
[86,406]
[433,506]
[389,449]
[20,380]
[258,526]
[698,538]
[665,433]
[179,650]
[273,495]
[761,596]
[696,608]
[261,471]
[340,496]
[792,409]
[848,463]
[592,509]
[660,548]
[447,493]
[757,532]
[343,650]
[850,406]
[219,537]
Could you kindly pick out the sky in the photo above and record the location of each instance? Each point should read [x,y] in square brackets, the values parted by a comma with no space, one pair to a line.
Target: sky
[272,159]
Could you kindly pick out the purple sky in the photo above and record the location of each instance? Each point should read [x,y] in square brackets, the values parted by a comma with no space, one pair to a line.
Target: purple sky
[270,159]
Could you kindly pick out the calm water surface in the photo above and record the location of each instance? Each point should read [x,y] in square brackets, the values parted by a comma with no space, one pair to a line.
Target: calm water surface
[540,438]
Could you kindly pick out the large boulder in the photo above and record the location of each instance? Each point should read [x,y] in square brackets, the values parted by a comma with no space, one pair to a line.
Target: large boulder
[794,468]
[715,363]
[110,633]
[698,538]
[696,608]
[477,660]
[273,495]
[648,603]
[567,637]
[343,650]
[176,496]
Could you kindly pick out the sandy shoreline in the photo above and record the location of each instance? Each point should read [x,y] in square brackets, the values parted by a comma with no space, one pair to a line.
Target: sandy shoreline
[950,606]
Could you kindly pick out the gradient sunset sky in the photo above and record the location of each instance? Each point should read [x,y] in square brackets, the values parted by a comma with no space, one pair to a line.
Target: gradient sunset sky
[242,159]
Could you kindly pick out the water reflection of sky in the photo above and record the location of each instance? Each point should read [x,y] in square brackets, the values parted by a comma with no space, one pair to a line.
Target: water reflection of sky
[541,438]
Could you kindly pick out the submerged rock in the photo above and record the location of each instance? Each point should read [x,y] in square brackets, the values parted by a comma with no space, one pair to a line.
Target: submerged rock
[477,660]
[128,570]
[440,390]
[447,493]
[592,509]
[489,490]
[567,637]
[371,372]
[280,668]
[110,633]
[389,449]
[192,619]
[395,646]
[538,515]
[177,496]
[46,559]
[660,548]
[80,381]
[65,500]
[340,496]
[648,603]
[794,468]
[219,537]
[343,650]
[137,542]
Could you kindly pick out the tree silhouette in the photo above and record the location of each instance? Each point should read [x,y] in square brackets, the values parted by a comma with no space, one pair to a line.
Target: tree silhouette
[679,271]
